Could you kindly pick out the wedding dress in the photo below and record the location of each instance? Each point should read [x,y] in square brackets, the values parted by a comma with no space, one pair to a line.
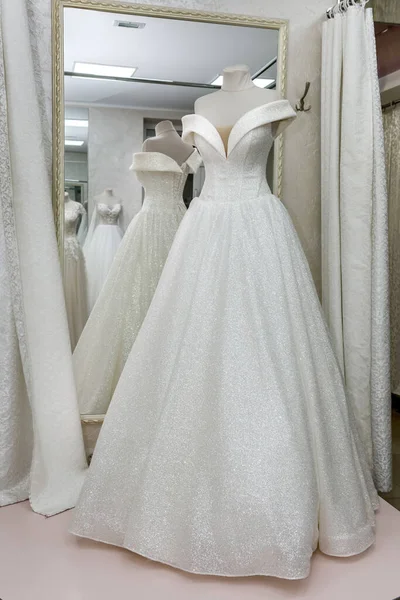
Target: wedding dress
[75,285]
[123,302]
[101,244]
[228,447]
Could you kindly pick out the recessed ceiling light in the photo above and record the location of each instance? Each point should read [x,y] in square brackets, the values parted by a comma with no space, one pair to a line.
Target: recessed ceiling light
[108,70]
[76,123]
[262,83]
[74,142]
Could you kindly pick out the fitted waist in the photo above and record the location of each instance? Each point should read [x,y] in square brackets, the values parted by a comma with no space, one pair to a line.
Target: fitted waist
[222,194]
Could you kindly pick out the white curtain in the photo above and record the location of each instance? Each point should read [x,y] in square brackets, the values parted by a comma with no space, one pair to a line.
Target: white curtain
[41,447]
[355,288]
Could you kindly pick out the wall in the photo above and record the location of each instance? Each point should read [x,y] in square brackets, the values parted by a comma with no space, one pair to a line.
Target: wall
[301,186]
[115,134]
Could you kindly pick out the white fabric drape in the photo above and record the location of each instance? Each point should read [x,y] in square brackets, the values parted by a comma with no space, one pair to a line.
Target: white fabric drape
[355,293]
[391,122]
[50,467]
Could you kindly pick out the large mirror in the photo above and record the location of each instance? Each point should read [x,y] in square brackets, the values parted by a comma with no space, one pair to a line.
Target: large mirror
[121,75]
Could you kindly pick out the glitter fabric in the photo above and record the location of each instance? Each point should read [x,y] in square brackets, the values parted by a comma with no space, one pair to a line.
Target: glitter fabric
[125,297]
[228,447]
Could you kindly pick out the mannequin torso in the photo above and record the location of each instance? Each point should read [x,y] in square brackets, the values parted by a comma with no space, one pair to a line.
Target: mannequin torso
[107,197]
[167,141]
[237,96]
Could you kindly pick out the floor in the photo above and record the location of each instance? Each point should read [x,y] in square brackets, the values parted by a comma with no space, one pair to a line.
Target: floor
[39,560]
[393,497]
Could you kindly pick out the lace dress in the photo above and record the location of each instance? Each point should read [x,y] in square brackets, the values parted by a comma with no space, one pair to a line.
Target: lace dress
[229,447]
[123,302]
[100,247]
[75,285]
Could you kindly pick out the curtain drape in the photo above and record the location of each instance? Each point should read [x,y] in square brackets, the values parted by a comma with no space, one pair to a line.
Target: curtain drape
[41,446]
[355,293]
[391,123]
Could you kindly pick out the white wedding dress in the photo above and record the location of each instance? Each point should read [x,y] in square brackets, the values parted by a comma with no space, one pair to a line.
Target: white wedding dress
[75,284]
[228,447]
[123,302]
[101,243]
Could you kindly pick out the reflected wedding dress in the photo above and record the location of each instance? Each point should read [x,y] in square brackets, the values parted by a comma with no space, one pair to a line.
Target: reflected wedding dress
[101,243]
[123,302]
[228,447]
[75,287]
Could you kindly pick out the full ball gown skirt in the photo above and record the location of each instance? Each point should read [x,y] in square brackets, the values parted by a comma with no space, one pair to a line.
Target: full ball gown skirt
[75,284]
[123,302]
[229,447]
[100,248]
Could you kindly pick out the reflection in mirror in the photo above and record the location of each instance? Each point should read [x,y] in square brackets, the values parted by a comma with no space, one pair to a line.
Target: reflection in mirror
[129,176]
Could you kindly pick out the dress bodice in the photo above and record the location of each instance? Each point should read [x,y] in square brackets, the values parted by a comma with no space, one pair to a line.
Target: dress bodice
[162,178]
[108,214]
[72,211]
[240,170]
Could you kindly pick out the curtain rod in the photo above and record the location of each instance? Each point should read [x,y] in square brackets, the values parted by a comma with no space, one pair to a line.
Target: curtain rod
[390,104]
[342,6]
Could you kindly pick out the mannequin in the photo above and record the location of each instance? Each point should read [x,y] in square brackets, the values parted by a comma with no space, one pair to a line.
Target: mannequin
[108,197]
[167,141]
[236,97]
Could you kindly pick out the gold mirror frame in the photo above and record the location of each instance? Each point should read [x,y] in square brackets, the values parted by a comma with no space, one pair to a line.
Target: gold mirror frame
[148,11]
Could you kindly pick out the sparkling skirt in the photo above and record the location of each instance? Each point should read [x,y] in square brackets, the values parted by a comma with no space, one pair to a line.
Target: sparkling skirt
[229,447]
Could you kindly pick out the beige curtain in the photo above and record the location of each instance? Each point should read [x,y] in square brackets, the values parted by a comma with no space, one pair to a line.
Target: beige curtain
[391,123]
[355,262]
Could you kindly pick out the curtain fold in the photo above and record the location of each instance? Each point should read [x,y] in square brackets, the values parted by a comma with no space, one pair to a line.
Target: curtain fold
[38,335]
[391,121]
[354,228]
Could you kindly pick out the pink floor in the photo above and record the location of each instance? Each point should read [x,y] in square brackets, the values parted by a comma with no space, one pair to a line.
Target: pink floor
[39,560]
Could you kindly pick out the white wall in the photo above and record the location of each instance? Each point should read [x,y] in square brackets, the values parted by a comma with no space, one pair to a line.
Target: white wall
[114,134]
[301,178]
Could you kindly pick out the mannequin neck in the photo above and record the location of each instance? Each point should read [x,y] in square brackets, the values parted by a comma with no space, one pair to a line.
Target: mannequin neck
[236,79]
[165,127]
[66,198]
[108,192]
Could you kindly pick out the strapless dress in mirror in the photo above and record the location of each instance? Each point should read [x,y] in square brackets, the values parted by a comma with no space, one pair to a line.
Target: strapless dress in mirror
[229,447]
[125,297]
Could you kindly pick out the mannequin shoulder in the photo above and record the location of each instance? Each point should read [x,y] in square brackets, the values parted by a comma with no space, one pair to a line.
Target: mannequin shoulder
[203,103]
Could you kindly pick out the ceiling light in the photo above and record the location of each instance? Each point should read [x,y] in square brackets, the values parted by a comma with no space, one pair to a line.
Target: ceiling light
[76,123]
[262,83]
[108,70]
[259,82]
[74,142]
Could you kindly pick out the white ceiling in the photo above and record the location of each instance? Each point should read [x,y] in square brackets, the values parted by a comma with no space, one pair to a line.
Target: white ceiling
[164,49]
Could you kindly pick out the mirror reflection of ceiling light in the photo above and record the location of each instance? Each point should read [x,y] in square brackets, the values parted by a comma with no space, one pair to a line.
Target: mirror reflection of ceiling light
[74,142]
[76,123]
[107,70]
[259,82]
[262,83]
